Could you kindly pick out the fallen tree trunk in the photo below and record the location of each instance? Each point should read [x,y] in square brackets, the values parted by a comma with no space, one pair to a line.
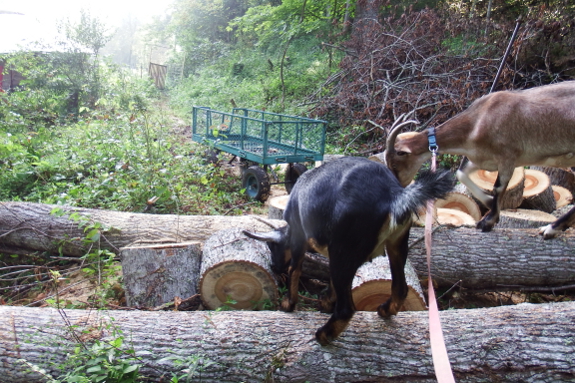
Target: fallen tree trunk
[496,259]
[28,227]
[504,259]
[527,343]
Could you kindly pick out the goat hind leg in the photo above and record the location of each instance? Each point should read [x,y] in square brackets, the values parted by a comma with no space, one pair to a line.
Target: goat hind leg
[344,309]
[561,224]
[327,301]
[397,255]
[294,273]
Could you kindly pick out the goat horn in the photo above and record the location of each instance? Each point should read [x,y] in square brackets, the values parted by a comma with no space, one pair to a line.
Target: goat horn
[390,143]
[271,236]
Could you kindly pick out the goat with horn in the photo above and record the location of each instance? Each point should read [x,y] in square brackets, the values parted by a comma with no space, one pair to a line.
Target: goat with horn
[498,132]
[350,210]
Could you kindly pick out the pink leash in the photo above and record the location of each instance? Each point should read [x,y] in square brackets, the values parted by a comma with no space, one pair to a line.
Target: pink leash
[441,363]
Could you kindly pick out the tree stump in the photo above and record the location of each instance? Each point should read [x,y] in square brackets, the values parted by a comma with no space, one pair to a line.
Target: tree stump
[524,218]
[156,274]
[563,197]
[277,206]
[537,192]
[514,194]
[236,268]
[372,286]
[559,176]
[462,202]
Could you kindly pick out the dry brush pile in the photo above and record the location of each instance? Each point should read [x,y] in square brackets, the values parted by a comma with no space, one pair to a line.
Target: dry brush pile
[433,64]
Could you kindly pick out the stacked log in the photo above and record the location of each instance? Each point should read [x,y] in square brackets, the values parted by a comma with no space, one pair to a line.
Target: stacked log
[537,192]
[513,196]
[563,177]
[157,274]
[527,201]
[236,272]
[562,196]
[372,286]
[460,201]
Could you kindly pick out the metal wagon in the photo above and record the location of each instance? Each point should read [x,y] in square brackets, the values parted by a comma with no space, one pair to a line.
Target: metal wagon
[261,139]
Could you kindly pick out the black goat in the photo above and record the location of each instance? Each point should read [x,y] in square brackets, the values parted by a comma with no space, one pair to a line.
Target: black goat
[350,210]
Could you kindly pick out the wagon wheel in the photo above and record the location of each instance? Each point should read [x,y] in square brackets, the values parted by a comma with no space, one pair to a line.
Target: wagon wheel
[211,155]
[293,172]
[256,182]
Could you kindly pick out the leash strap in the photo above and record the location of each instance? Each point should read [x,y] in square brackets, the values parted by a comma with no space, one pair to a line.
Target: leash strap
[441,363]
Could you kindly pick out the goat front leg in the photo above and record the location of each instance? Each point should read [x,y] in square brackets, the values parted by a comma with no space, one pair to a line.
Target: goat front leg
[341,279]
[462,175]
[499,188]
[294,273]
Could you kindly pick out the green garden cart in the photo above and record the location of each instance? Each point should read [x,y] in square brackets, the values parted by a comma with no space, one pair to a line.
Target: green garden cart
[261,139]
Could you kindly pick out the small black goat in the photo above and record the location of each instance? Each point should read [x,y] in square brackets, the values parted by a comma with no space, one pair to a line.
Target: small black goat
[349,210]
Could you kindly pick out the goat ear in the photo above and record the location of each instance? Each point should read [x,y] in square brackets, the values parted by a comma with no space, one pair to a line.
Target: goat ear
[272,236]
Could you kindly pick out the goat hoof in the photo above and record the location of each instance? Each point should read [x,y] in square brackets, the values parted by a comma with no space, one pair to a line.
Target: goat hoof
[322,337]
[287,306]
[548,232]
[385,311]
[484,225]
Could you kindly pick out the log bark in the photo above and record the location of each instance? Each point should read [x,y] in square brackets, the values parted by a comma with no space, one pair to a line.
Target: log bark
[154,275]
[29,227]
[524,218]
[524,343]
[236,268]
[503,259]
[497,259]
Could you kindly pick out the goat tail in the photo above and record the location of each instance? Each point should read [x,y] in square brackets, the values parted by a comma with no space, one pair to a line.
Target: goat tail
[429,186]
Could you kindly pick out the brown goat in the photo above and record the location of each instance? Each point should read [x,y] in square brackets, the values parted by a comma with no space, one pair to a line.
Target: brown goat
[499,132]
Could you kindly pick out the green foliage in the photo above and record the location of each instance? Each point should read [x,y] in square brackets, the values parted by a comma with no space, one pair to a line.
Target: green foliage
[102,361]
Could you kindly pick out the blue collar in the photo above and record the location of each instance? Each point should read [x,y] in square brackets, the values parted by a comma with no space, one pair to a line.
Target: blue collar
[431,139]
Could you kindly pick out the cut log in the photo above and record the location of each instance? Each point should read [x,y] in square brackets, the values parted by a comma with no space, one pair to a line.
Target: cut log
[277,206]
[489,260]
[559,176]
[454,217]
[500,259]
[29,227]
[236,268]
[156,274]
[462,202]
[514,194]
[503,259]
[372,286]
[524,218]
[563,197]
[523,343]
[537,192]
[443,216]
